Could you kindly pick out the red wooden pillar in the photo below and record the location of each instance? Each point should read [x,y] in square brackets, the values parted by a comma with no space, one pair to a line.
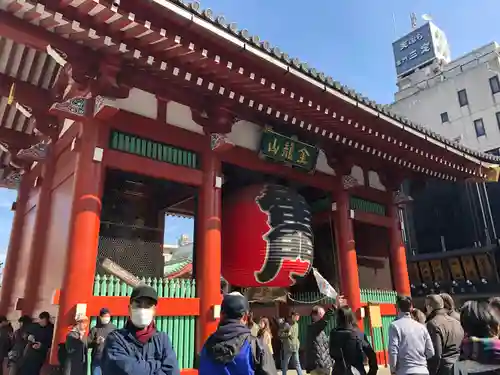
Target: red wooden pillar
[397,254]
[347,259]
[13,252]
[39,244]
[208,248]
[78,278]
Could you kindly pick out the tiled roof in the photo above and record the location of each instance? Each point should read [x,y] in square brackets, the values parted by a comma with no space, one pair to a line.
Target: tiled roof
[171,269]
[275,52]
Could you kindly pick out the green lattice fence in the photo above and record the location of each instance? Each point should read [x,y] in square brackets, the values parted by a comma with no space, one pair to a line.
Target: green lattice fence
[378,296]
[181,329]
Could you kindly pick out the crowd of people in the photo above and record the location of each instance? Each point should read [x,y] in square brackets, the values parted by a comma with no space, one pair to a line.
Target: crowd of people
[440,341]
[445,340]
[25,350]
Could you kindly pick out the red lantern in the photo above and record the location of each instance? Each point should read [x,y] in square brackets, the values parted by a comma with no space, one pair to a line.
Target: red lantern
[267,238]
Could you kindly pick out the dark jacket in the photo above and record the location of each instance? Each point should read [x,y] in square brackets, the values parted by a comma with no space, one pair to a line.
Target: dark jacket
[76,354]
[125,355]
[35,358]
[348,347]
[446,335]
[19,343]
[233,350]
[6,340]
[100,330]
[475,368]
[317,347]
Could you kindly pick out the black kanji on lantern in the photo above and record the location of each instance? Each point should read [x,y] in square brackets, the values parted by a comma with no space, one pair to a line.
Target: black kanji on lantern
[290,236]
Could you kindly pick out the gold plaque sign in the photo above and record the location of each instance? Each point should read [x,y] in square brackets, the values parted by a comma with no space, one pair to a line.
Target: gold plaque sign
[414,273]
[425,270]
[456,269]
[470,268]
[437,269]
[485,267]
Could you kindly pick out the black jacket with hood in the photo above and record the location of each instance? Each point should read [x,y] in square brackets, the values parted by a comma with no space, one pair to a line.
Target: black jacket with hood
[233,350]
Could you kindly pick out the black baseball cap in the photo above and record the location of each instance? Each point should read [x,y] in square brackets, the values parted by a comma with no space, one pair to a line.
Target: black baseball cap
[104,311]
[144,291]
[234,305]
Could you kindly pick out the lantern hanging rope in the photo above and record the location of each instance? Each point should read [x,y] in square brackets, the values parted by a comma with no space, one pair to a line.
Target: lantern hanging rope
[289,295]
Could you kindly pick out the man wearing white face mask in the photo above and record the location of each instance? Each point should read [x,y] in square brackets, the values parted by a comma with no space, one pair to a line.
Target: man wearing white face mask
[97,336]
[139,349]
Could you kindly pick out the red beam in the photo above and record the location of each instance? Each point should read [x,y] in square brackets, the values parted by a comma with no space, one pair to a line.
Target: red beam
[119,306]
[132,123]
[372,219]
[141,165]
[250,160]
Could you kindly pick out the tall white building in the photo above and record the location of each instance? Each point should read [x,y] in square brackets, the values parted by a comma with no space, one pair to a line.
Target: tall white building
[458,99]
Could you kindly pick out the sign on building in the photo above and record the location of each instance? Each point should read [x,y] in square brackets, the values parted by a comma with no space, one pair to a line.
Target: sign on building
[421,46]
[280,148]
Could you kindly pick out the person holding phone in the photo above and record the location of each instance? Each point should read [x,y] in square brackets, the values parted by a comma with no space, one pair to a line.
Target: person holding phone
[97,337]
[76,346]
[39,337]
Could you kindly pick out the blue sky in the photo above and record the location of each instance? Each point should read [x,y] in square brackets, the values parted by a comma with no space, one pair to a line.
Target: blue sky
[349,40]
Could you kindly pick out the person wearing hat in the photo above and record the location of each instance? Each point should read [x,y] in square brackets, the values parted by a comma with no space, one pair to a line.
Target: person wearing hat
[97,336]
[139,349]
[75,361]
[232,349]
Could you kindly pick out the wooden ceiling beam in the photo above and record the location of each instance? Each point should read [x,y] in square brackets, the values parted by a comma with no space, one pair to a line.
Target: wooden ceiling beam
[17,140]
[25,93]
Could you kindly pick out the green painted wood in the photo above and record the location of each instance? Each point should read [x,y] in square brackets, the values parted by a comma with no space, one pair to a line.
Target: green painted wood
[378,296]
[360,204]
[152,150]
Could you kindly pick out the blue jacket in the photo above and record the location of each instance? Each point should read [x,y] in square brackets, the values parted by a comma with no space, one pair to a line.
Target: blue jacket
[232,350]
[125,355]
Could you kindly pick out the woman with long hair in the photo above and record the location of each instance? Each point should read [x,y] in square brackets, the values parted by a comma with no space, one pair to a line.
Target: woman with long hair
[349,346]
[265,333]
[480,350]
